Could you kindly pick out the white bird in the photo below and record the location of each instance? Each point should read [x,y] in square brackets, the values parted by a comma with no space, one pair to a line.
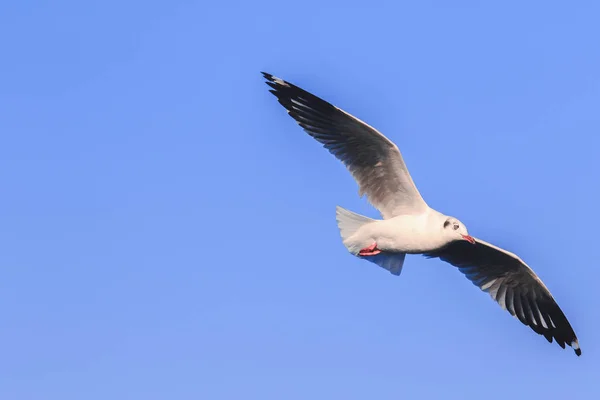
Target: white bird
[409,225]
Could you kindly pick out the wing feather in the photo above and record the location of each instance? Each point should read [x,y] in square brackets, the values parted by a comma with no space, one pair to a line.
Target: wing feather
[373,160]
[513,285]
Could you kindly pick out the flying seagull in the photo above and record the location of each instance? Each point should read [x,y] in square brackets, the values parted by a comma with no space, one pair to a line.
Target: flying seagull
[409,225]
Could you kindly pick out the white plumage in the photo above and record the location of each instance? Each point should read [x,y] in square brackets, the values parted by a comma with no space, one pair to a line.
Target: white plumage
[409,225]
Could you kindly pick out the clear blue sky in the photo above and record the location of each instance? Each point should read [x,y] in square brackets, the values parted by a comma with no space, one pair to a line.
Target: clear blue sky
[168,232]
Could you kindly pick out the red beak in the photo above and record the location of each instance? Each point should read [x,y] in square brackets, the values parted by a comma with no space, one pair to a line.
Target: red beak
[469,239]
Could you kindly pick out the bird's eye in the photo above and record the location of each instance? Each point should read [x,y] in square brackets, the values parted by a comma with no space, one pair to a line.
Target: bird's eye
[455,227]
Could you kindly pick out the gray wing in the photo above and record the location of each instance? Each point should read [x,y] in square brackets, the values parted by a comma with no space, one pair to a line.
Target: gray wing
[513,285]
[373,160]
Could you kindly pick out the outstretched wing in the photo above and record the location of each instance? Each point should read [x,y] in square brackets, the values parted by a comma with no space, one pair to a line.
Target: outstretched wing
[373,160]
[513,285]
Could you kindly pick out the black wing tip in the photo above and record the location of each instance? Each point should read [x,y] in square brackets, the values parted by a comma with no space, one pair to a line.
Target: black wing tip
[575,346]
[560,339]
[274,81]
[269,77]
[279,88]
[287,93]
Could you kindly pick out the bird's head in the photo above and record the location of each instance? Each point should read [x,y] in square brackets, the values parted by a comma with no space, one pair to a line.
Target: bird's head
[456,230]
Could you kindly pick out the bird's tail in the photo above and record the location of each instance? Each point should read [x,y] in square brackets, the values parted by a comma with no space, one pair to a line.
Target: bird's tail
[349,222]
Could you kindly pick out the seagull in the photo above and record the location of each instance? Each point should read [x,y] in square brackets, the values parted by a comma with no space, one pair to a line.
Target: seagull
[409,225]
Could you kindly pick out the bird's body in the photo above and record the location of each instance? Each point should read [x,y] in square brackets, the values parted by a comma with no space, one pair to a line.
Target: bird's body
[408,233]
[409,225]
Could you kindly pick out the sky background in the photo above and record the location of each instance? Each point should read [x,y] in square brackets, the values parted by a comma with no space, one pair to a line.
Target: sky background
[168,232]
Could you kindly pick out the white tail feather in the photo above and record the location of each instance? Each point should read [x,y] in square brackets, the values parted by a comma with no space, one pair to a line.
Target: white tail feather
[349,222]
[393,262]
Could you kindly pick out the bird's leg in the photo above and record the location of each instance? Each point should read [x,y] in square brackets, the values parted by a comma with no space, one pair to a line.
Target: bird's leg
[372,250]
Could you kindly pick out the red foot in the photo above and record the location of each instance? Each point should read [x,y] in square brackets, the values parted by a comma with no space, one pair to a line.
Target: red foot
[372,250]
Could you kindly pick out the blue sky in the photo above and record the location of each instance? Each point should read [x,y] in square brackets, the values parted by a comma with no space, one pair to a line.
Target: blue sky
[169,232]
